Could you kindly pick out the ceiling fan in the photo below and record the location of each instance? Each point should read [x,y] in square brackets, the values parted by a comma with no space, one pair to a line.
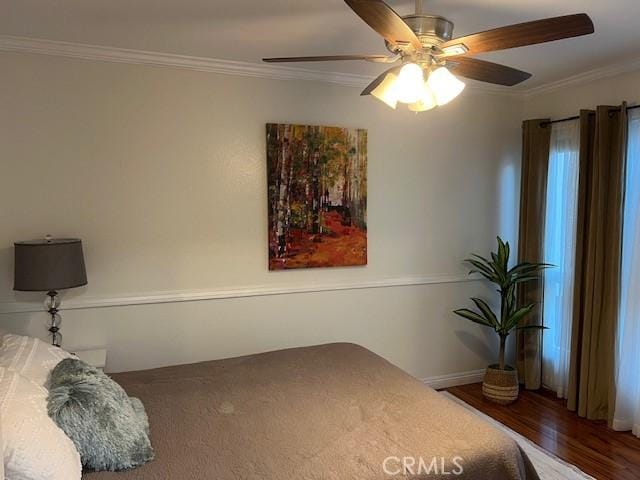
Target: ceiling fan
[427,53]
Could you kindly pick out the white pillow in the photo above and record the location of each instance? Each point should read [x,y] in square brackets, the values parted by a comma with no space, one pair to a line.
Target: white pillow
[30,357]
[34,447]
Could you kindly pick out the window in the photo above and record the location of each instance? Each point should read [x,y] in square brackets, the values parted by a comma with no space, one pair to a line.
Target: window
[627,410]
[559,250]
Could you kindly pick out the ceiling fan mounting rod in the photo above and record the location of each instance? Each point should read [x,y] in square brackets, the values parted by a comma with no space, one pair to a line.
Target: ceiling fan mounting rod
[418,7]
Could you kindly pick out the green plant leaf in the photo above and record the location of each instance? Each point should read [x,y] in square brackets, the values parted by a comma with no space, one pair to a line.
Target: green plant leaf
[509,296]
[486,311]
[479,266]
[483,270]
[528,268]
[473,316]
[515,318]
[480,263]
[503,255]
[508,252]
[525,278]
[532,327]
[482,259]
[499,263]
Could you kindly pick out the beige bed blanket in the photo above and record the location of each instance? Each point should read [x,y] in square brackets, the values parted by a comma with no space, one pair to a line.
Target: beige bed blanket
[334,411]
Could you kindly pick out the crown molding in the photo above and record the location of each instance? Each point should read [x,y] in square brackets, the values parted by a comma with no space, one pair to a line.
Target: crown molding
[585,77]
[101,53]
[276,72]
[150,298]
[185,62]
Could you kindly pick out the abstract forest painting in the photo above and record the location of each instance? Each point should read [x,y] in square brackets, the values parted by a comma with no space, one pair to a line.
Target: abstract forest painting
[317,196]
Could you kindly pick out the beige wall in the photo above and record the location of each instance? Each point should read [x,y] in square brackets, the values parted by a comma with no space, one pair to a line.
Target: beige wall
[569,100]
[161,172]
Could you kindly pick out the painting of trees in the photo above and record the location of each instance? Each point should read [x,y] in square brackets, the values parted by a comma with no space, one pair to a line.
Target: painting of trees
[317,184]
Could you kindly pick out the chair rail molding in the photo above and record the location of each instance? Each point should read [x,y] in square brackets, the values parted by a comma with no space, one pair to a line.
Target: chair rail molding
[80,302]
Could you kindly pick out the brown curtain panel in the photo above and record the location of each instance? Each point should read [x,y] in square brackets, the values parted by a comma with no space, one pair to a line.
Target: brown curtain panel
[598,256]
[536,138]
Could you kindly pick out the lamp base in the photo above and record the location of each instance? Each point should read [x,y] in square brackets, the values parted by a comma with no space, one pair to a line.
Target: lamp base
[52,303]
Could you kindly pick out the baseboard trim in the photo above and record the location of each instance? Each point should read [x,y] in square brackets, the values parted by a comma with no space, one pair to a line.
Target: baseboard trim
[240,292]
[454,379]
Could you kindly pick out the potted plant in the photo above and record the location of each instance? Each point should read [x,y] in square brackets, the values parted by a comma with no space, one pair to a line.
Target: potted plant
[501,380]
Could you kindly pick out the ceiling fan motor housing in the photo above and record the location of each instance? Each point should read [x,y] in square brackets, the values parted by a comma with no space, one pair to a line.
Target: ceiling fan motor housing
[432,30]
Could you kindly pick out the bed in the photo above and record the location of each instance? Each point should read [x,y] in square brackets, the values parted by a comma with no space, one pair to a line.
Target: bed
[335,411]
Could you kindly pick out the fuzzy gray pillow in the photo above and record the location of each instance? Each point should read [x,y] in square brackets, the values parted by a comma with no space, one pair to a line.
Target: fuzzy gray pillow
[109,429]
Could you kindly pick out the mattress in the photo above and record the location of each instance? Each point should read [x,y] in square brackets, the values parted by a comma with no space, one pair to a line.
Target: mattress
[334,411]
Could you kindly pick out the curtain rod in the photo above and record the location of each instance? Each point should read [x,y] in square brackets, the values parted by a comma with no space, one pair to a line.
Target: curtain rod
[576,117]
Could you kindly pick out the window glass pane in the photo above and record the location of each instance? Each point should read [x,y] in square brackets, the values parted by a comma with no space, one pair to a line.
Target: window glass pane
[627,411]
[559,250]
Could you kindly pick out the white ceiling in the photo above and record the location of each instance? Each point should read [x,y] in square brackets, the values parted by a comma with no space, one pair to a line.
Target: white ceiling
[248,30]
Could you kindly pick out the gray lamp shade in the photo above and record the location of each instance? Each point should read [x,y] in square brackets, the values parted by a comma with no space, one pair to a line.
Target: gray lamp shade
[49,264]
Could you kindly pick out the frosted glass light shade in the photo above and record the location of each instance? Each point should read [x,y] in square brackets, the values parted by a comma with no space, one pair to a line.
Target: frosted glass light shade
[444,85]
[387,91]
[410,84]
[426,102]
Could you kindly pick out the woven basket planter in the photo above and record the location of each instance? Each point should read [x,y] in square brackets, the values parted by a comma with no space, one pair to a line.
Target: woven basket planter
[500,386]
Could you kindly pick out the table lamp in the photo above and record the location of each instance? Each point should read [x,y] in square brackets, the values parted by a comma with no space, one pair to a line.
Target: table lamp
[49,265]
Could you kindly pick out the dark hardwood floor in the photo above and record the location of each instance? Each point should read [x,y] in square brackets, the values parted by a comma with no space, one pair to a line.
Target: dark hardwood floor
[542,418]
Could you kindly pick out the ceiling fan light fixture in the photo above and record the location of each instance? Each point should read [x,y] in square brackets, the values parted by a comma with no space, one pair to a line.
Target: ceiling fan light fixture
[426,102]
[425,42]
[444,85]
[387,91]
[410,83]
[458,49]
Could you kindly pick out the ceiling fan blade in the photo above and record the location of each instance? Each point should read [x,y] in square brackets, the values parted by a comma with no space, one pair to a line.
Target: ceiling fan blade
[379,79]
[381,17]
[329,58]
[487,71]
[522,34]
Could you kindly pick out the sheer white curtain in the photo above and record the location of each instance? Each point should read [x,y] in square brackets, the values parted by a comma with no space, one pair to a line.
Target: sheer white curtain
[559,250]
[627,411]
